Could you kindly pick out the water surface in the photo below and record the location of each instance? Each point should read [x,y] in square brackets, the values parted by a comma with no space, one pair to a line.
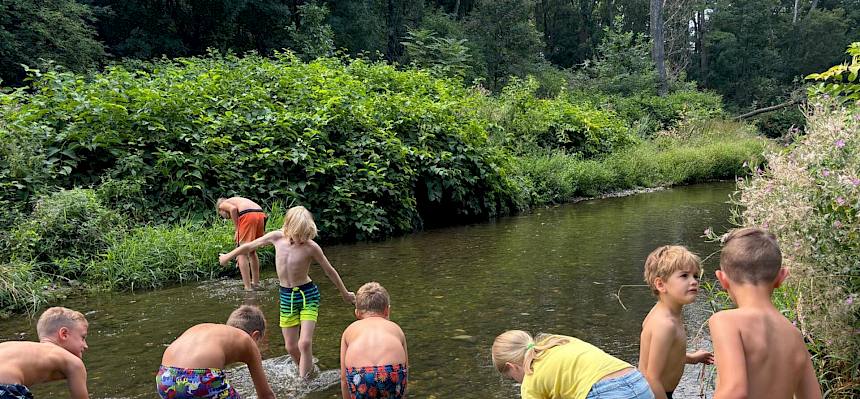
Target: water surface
[453,290]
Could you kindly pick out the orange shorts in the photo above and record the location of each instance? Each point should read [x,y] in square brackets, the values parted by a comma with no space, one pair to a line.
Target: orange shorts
[251,226]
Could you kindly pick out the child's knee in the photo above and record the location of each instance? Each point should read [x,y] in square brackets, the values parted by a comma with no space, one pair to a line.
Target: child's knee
[305,345]
[292,347]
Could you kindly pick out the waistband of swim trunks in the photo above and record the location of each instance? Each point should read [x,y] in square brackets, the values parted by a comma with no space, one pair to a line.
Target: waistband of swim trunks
[393,368]
[250,211]
[302,287]
[213,370]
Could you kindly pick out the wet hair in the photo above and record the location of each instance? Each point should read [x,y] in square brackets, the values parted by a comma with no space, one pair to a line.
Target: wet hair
[751,255]
[372,298]
[53,319]
[299,224]
[668,259]
[248,318]
[518,347]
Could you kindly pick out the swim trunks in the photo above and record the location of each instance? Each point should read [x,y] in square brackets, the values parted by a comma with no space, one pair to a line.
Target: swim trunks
[180,383]
[299,304]
[14,391]
[669,395]
[250,226]
[376,381]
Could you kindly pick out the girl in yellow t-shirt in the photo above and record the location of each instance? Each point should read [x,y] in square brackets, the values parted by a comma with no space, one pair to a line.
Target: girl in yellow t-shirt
[562,367]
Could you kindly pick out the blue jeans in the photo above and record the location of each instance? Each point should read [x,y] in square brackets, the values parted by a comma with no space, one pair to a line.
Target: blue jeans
[629,386]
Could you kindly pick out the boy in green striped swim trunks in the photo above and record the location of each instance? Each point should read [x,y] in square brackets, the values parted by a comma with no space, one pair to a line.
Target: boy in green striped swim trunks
[295,249]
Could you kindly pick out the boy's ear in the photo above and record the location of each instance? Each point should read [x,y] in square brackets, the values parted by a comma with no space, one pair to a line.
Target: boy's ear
[659,284]
[780,277]
[357,314]
[256,335]
[724,280]
[387,312]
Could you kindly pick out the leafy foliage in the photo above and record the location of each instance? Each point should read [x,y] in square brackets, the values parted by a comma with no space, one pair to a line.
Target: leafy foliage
[840,81]
[441,56]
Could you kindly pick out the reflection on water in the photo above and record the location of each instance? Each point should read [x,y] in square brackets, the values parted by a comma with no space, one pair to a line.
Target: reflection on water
[453,290]
[283,376]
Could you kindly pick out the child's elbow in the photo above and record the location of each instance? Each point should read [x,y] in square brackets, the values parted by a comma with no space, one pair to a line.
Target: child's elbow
[736,392]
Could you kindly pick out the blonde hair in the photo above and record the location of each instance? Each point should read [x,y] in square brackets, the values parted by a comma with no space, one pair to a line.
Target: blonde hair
[751,255]
[518,347]
[53,319]
[299,224]
[372,298]
[668,259]
[248,318]
[219,202]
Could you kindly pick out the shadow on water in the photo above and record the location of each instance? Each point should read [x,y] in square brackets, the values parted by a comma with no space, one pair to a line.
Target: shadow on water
[453,290]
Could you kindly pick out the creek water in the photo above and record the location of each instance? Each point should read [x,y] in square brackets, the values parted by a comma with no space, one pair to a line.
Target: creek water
[453,290]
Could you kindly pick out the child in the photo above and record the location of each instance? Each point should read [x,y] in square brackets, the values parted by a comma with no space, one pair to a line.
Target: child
[250,222]
[58,355]
[759,353]
[299,296]
[561,367]
[192,365]
[373,349]
[672,272]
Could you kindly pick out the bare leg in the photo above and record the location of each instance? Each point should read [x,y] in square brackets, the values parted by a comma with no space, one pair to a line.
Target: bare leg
[306,365]
[244,269]
[291,342]
[255,269]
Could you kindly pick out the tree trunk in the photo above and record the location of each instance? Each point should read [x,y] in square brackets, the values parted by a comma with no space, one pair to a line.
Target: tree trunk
[658,52]
[703,55]
[457,10]
[794,18]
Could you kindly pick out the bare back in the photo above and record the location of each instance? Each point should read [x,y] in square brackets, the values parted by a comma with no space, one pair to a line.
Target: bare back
[663,348]
[208,346]
[31,363]
[765,350]
[242,203]
[373,341]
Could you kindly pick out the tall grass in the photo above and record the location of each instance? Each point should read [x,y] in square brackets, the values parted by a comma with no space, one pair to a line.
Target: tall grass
[693,153]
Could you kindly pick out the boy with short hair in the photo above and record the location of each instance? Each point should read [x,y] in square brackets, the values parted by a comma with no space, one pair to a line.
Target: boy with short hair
[58,355]
[192,366]
[295,249]
[250,222]
[759,353]
[373,358]
[672,272]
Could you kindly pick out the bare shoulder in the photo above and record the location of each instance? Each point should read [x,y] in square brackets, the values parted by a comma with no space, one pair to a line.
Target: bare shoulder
[658,322]
[725,317]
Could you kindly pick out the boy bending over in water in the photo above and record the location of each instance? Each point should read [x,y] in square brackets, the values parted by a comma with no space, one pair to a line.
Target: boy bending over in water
[192,366]
[62,342]
[672,272]
[373,358]
[759,353]
[295,249]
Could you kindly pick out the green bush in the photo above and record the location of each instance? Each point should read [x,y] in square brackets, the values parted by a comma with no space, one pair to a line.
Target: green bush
[783,123]
[368,148]
[65,230]
[23,288]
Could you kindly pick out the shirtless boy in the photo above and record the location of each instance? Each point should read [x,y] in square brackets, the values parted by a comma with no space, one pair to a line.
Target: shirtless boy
[672,272]
[295,249]
[373,357]
[192,366]
[759,353]
[62,342]
[250,222]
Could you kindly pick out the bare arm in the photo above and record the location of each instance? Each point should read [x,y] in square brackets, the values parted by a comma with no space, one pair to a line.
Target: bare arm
[808,387]
[319,257]
[699,357]
[76,376]
[729,355]
[344,387]
[248,247]
[406,352]
[231,210]
[659,343]
[251,356]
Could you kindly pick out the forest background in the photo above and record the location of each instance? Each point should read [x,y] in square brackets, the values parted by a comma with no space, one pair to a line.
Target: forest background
[121,123]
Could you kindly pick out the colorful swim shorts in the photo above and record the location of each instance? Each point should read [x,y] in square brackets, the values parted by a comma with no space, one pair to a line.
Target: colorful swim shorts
[179,383]
[14,391]
[376,381]
[299,304]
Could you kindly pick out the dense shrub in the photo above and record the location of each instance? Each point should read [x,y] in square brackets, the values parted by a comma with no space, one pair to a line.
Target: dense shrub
[23,288]
[66,229]
[534,124]
[366,147]
[781,124]
[809,196]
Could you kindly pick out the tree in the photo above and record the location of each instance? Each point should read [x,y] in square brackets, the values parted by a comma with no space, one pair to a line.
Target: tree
[58,30]
[658,44]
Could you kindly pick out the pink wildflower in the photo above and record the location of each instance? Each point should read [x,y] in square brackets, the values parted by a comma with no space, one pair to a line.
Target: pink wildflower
[840,143]
[840,201]
[850,300]
[825,173]
[855,182]
[837,224]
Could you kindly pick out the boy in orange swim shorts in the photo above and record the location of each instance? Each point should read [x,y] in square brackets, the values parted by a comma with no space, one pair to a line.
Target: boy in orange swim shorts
[250,222]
